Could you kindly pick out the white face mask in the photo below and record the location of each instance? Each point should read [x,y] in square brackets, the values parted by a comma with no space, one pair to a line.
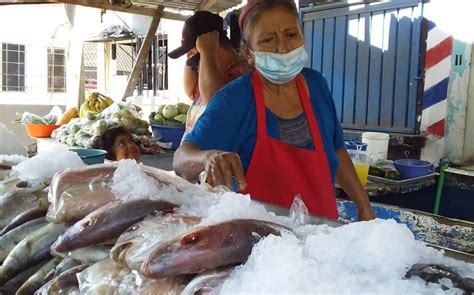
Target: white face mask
[281,68]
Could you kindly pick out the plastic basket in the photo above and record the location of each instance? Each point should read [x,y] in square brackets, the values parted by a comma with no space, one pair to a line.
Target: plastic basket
[90,156]
[40,130]
[168,134]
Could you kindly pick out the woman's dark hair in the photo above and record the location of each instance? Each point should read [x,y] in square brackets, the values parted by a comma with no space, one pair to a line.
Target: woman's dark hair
[107,139]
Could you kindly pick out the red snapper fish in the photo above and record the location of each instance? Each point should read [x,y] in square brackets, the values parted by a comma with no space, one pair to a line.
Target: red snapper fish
[208,247]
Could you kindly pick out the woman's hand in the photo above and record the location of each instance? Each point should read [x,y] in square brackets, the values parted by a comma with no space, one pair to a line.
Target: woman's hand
[208,43]
[346,177]
[222,166]
[366,213]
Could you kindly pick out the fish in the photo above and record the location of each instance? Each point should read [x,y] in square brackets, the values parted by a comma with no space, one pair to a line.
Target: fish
[32,249]
[432,273]
[76,192]
[164,286]
[104,277]
[209,282]
[8,184]
[13,237]
[108,222]
[12,285]
[38,279]
[137,241]
[67,279]
[169,178]
[91,254]
[19,200]
[23,217]
[208,247]
[64,265]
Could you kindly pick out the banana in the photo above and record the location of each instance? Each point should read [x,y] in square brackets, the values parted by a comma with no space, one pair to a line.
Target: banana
[108,100]
[94,95]
[102,103]
[97,105]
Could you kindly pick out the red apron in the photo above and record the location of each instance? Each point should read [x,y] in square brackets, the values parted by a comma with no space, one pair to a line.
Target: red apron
[278,172]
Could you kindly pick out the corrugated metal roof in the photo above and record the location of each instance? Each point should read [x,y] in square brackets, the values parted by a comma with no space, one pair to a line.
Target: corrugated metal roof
[214,6]
[145,7]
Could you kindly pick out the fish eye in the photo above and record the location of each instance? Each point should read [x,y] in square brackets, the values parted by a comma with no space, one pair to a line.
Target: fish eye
[190,238]
[86,224]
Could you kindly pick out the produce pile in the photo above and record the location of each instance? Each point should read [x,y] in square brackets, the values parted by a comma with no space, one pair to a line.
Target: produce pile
[82,131]
[170,115]
[95,104]
[49,119]
[125,228]
[384,172]
[30,118]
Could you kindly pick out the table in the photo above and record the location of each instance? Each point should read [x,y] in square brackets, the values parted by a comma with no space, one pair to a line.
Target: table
[375,188]
[162,161]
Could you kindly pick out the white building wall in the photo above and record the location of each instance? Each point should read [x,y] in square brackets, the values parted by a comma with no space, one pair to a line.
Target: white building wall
[41,26]
[27,25]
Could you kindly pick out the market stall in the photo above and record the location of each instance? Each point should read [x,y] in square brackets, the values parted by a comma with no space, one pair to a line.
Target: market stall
[93,233]
[69,226]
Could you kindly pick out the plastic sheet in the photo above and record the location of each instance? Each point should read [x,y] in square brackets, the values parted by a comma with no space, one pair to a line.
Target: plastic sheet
[76,192]
[298,212]
[134,245]
[126,115]
[107,277]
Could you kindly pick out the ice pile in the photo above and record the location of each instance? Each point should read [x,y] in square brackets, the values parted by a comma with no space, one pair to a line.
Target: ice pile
[129,181]
[12,159]
[359,258]
[233,205]
[47,163]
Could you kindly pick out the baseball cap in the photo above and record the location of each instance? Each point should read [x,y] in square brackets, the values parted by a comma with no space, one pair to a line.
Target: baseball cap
[200,23]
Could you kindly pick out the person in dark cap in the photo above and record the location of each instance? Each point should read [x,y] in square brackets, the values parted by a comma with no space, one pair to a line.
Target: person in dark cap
[211,62]
[274,133]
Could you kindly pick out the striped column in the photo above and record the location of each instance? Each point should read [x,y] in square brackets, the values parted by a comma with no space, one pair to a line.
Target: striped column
[437,69]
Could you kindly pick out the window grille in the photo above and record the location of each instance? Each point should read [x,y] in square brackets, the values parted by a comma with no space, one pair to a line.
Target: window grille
[13,67]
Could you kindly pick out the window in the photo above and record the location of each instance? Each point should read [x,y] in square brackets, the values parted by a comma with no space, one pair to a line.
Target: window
[90,65]
[13,67]
[56,70]
[155,73]
[124,59]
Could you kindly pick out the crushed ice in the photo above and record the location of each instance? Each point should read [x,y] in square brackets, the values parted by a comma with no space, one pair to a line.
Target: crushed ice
[47,163]
[129,181]
[359,258]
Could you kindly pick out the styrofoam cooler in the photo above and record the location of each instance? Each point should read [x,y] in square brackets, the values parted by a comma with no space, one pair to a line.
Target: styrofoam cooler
[377,144]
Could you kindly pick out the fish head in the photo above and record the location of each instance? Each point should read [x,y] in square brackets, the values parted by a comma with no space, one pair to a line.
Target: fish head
[188,253]
[73,235]
[205,248]
[124,244]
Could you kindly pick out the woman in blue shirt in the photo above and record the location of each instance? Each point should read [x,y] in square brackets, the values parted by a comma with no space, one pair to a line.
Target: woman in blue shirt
[275,130]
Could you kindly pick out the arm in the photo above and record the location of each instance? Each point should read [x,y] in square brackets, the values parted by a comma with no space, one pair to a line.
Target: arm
[346,176]
[211,76]
[189,161]
[190,81]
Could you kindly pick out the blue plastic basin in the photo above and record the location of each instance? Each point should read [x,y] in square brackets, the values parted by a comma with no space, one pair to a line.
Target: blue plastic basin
[411,168]
[91,156]
[168,134]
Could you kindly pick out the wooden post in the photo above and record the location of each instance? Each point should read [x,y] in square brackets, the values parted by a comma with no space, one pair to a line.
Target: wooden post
[143,54]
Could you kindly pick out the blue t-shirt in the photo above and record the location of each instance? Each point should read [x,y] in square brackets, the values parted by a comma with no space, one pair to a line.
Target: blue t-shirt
[229,122]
